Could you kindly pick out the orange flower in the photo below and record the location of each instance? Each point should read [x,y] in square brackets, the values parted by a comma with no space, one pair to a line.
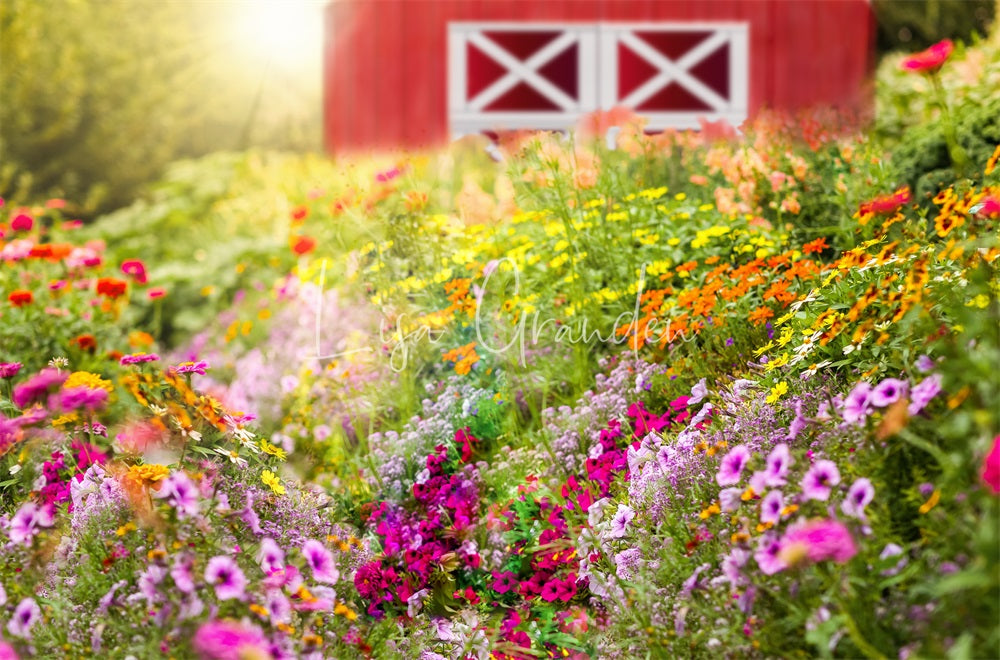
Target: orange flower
[815,246]
[86,342]
[760,315]
[302,245]
[299,214]
[21,297]
[886,204]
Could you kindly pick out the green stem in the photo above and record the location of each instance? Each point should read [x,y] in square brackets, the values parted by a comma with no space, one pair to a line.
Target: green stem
[959,159]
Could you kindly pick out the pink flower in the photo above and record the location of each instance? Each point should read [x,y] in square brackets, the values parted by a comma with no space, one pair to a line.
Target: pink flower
[989,207]
[270,556]
[228,640]
[886,204]
[991,467]
[135,269]
[732,466]
[817,482]
[320,561]
[76,398]
[227,577]
[859,495]
[768,554]
[9,369]
[771,506]
[818,540]
[37,386]
[138,358]
[857,405]
[929,60]
[619,524]
[28,520]
[156,292]
[923,392]
[22,222]
[180,493]
[191,368]
[777,466]
[26,615]
[888,391]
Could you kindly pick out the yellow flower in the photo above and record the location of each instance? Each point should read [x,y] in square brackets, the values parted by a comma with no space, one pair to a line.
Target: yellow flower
[88,380]
[270,480]
[777,392]
[149,473]
[272,450]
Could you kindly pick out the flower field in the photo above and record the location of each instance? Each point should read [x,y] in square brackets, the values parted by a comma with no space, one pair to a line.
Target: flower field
[708,394]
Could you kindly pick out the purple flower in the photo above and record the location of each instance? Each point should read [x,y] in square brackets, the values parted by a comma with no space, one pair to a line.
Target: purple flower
[37,387]
[191,368]
[924,364]
[923,392]
[270,556]
[732,566]
[180,493]
[228,640]
[76,398]
[856,406]
[622,517]
[859,495]
[182,574]
[26,522]
[278,606]
[778,462]
[26,614]
[320,561]
[729,499]
[888,391]
[698,392]
[771,506]
[227,577]
[817,482]
[9,369]
[818,540]
[732,466]
[149,580]
[767,555]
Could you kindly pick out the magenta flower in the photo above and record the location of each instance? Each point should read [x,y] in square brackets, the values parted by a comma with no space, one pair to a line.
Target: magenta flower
[227,577]
[924,364]
[180,493]
[778,462]
[228,640]
[504,582]
[859,495]
[771,506]
[321,562]
[991,468]
[732,466]
[191,368]
[26,615]
[28,521]
[768,555]
[9,369]
[138,358]
[923,392]
[856,406]
[270,556]
[930,60]
[36,387]
[887,392]
[818,540]
[817,482]
[182,574]
[77,398]
[619,523]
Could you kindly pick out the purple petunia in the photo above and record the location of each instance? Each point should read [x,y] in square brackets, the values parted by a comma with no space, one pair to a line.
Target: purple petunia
[226,576]
[729,499]
[923,392]
[856,406]
[26,615]
[270,556]
[180,493]
[778,462]
[321,562]
[771,506]
[28,521]
[732,466]
[698,392]
[887,392]
[768,553]
[620,521]
[817,482]
[924,364]
[859,495]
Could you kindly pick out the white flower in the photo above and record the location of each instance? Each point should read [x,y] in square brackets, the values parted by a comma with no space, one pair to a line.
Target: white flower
[233,456]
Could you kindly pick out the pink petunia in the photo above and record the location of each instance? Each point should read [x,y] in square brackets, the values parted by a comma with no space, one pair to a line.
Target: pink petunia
[26,615]
[321,562]
[857,405]
[991,468]
[732,466]
[778,462]
[819,480]
[771,506]
[859,495]
[887,392]
[923,393]
[818,540]
[28,521]
[226,576]
[270,556]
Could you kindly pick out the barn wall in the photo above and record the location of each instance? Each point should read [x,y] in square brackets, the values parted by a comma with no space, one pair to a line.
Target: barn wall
[386,60]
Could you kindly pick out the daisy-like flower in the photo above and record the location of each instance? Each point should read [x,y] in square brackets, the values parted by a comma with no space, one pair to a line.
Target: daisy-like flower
[819,480]
[9,369]
[732,466]
[138,358]
[321,562]
[26,615]
[233,456]
[619,523]
[859,495]
[272,481]
[226,576]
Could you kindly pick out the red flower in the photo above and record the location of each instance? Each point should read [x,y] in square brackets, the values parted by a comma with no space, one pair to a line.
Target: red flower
[299,213]
[22,222]
[135,269]
[111,287]
[886,204]
[86,342]
[21,297]
[991,468]
[929,60]
[303,245]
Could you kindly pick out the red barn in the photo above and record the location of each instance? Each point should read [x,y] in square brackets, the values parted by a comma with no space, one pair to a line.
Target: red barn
[414,73]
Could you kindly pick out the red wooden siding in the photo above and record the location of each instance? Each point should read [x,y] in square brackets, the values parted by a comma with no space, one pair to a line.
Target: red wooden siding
[386,60]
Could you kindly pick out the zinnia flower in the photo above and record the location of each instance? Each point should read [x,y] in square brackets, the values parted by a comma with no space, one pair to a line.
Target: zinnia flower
[886,204]
[26,615]
[227,577]
[321,562]
[817,482]
[135,269]
[22,222]
[20,297]
[816,541]
[9,369]
[138,358]
[191,368]
[732,466]
[929,60]
[991,467]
